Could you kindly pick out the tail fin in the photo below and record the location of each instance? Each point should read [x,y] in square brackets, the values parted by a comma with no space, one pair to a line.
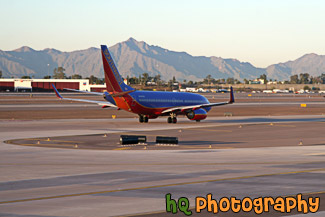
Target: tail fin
[113,79]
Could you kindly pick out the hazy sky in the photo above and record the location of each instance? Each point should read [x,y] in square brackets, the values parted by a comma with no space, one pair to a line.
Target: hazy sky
[258,31]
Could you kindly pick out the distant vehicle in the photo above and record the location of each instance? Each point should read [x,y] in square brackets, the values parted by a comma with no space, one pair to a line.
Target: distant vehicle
[148,104]
[301,91]
[321,91]
[223,91]
[267,91]
[280,91]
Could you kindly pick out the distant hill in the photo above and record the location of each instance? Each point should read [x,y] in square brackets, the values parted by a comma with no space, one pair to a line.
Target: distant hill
[310,63]
[134,58]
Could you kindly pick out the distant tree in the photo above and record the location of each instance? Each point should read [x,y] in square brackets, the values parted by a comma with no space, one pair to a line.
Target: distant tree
[25,77]
[76,76]
[174,80]
[133,80]
[0,74]
[221,81]
[209,80]
[315,80]
[190,83]
[246,81]
[145,78]
[157,79]
[264,77]
[230,81]
[322,78]
[304,78]
[94,80]
[294,79]
[307,88]
[47,77]
[58,73]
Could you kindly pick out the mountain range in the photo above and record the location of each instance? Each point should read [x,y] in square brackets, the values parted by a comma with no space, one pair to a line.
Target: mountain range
[134,58]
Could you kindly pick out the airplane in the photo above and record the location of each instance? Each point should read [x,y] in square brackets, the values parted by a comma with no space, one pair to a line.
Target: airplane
[148,104]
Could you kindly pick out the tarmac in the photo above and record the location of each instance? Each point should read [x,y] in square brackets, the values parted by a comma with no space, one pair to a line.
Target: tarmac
[76,167]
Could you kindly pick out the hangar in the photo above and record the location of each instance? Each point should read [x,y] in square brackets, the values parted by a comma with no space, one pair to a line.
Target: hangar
[44,85]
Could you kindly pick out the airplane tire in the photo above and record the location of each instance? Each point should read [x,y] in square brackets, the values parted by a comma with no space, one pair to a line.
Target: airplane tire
[141,119]
[169,120]
[145,119]
[174,120]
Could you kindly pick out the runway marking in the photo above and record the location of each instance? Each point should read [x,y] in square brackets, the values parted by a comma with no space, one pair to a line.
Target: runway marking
[124,148]
[155,186]
[227,131]
[36,139]
[52,145]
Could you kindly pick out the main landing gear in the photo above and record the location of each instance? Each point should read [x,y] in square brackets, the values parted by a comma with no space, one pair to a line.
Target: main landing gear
[172,119]
[143,119]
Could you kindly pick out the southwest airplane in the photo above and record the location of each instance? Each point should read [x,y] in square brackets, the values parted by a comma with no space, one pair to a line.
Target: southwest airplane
[148,104]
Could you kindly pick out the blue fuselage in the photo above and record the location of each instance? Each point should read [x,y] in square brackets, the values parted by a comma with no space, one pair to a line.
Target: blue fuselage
[163,100]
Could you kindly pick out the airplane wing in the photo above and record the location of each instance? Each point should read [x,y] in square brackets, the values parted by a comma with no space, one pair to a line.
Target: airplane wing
[101,103]
[194,107]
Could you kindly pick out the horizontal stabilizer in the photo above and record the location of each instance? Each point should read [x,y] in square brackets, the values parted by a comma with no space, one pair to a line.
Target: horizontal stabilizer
[121,93]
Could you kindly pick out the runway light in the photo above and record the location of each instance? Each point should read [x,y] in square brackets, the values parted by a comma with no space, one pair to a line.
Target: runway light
[113,116]
[180,131]
[48,139]
[38,142]
[271,124]
[240,126]
[303,105]
[145,148]
[300,143]
[75,145]
[210,146]
[105,135]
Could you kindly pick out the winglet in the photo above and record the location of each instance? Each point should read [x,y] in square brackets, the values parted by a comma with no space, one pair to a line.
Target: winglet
[232,98]
[57,92]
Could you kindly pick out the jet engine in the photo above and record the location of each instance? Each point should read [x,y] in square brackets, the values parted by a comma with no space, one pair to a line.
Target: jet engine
[197,115]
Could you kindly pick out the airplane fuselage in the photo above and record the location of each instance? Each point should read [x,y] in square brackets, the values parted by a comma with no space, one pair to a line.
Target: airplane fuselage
[155,102]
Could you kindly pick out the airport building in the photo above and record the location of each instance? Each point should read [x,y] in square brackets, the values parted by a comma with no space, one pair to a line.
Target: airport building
[40,85]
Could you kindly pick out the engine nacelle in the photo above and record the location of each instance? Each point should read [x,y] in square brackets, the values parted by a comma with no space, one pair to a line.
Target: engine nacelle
[197,115]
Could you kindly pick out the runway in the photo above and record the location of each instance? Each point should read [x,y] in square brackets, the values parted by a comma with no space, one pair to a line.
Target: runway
[45,181]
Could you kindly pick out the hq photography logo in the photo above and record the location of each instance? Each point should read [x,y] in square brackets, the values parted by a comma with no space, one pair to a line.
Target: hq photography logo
[258,205]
